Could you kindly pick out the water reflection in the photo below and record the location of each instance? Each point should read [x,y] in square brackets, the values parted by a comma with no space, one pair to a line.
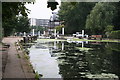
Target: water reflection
[83,60]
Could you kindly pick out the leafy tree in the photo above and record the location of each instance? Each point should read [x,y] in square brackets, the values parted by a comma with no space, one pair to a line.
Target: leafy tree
[116,19]
[22,24]
[59,28]
[10,11]
[108,30]
[52,4]
[100,17]
[74,15]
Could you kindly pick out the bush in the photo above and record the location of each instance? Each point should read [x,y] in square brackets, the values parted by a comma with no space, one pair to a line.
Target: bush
[115,34]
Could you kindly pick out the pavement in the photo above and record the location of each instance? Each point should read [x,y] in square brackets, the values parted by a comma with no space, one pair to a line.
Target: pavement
[16,67]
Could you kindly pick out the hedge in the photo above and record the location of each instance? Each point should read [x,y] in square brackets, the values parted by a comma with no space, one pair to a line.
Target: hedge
[115,34]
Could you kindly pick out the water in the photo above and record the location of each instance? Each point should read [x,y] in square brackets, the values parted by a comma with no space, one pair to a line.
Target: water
[83,60]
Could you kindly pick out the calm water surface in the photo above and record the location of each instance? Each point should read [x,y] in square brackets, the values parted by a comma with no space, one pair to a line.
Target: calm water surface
[83,60]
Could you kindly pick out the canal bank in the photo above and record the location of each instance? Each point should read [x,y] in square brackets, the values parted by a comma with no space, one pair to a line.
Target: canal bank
[17,66]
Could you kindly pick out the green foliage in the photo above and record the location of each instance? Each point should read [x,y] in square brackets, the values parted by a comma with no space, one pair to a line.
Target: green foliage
[108,30]
[116,19]
[59,28]
[10,11]
[38,76]
[26,56]
[52,4]
[100,17]
[18,56]
[115,34]
[22,24]
[74,15]
[40,28]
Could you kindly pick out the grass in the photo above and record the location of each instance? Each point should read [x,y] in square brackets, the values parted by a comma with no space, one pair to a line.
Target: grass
[50,40]
[74,39]
[96,40]
[18,56]
[26,56]
[38,76]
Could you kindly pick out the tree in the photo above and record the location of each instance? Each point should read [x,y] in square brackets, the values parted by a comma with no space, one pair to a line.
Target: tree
[116,19]
[22,24]
[74,15]
[108,30]
[59,28]
[52,4]
[10,11]
[100,17]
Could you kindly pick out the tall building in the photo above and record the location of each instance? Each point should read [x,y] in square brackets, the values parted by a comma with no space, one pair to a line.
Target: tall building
[39,22]
[47,23]
[42,22]
[32,21]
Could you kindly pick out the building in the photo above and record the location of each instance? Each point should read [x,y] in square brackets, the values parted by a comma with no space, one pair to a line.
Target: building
[32,21]
[49,24]
[39,22]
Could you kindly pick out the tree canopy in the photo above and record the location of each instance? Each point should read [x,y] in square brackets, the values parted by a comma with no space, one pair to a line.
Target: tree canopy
[95,18]
[10,13]
[100,17]
[74,15]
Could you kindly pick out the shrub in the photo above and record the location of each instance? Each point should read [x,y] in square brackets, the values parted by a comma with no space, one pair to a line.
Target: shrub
[115,34]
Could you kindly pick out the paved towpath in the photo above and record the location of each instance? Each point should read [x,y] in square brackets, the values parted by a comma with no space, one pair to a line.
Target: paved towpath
[13,67]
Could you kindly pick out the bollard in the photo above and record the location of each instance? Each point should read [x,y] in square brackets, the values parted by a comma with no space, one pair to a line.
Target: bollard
[24,39]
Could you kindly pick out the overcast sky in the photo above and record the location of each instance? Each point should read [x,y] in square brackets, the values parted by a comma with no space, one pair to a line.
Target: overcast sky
[39,10]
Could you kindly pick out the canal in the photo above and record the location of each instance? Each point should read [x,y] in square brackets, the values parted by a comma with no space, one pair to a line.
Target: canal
[76,59]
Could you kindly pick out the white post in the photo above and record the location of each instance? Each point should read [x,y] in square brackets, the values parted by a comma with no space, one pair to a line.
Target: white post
[87,36]
[82,44]
[82,33]
[62,46]
[63,31]
[44,33]
[24,34]
[58,34]
[38,33]
[55,32]
[33,32]
[54,44]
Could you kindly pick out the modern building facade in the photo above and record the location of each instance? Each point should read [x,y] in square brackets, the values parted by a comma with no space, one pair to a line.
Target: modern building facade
[49,24]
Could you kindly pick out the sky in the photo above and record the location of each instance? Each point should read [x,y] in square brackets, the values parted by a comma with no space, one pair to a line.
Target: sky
[39,9]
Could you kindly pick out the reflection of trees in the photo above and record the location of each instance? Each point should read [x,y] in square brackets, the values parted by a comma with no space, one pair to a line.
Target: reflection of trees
[114,49]
[97,60]
[104,59]
[74,62]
